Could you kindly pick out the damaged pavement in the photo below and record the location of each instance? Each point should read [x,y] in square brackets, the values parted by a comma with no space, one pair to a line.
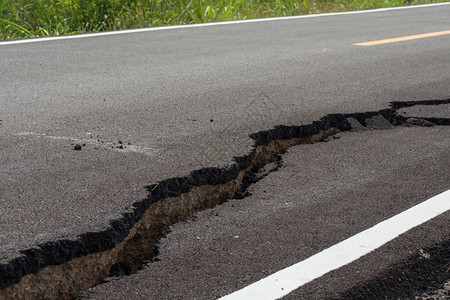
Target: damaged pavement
[134,241]
[189,163]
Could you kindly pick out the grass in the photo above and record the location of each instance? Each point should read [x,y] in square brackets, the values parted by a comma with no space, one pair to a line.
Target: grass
[35,18]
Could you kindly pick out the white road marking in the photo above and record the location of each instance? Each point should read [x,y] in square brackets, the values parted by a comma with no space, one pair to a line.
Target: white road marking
[291,278]
[108,33]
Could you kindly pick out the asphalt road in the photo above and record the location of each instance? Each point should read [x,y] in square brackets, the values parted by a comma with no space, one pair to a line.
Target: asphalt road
[323,194]
[154,105]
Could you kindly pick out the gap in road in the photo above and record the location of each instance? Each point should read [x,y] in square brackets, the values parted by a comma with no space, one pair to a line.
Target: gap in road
[64,268]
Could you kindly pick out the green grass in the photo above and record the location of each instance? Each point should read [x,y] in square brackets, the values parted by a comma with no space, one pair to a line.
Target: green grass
[34,18]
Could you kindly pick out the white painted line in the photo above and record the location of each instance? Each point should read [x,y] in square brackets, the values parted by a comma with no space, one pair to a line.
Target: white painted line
[108,33]
[287,280]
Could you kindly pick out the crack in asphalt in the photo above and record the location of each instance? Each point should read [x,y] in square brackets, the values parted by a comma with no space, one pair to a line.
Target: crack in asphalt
[63,268]
[97,143]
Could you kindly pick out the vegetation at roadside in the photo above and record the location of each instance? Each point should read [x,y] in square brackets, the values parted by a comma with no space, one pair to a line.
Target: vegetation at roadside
[35,18]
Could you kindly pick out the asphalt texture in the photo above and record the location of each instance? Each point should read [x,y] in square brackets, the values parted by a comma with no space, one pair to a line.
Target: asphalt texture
[322,194]
[87,124]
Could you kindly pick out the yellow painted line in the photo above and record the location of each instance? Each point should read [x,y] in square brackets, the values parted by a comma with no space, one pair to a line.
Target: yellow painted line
[404,38]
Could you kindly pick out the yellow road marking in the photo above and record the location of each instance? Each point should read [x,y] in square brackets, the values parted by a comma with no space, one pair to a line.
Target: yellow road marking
[404,38]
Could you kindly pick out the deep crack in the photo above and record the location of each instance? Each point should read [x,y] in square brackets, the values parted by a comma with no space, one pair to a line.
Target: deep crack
[61,269]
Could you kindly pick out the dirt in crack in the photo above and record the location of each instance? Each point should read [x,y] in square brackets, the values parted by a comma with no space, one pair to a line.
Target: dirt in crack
[61,269]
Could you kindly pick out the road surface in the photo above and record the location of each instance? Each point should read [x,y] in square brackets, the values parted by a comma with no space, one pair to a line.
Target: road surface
[150,106]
